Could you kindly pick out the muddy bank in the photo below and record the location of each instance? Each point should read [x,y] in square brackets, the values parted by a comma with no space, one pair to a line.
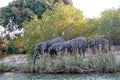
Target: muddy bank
[14,60]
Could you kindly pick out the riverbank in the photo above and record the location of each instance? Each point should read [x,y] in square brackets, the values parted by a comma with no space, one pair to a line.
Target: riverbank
[102,62]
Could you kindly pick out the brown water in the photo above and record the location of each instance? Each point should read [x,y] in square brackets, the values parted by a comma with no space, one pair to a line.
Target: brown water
[37,76]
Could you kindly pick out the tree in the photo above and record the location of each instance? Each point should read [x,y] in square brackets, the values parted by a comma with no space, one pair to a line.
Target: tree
[92,28]
[110,24]
[21,10]
[61,21]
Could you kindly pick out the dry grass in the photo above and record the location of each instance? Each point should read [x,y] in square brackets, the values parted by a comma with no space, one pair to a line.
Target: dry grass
[102,62]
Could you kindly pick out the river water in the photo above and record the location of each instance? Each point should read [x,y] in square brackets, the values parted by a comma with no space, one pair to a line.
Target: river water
[37,76]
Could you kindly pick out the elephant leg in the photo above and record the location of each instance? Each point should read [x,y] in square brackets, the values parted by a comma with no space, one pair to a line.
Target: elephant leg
[104,48]
[80,51]
[42,54]
[98,48]
[53,53]
[73,51]
[62,52]
[93,50]
[83,51]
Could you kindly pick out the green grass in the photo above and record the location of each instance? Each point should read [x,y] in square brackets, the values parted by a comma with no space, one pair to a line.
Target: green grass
[69,63]
[4,67]
[99,62]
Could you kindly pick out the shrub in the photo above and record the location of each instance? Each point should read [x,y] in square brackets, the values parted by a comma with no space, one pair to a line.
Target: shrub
[11,48]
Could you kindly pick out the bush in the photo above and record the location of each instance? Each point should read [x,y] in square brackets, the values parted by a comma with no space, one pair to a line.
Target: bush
[4,67]
[11,49]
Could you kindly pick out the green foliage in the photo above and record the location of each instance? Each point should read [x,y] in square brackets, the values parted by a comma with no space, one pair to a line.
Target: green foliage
[62,21]
[103,62]
[21,10]
[4,67]
[18,42]
[15,46]
[11,49]
[5,14]
[92,28]
[109,24]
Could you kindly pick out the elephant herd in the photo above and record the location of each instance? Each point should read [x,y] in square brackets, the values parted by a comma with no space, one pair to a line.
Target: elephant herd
[73,46]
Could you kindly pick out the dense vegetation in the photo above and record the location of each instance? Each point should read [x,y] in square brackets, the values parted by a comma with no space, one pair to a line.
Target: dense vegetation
[20,10]
[110,25]
[62,22]
[47,19]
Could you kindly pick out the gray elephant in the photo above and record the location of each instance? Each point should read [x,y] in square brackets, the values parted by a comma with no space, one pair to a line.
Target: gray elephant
[79,44]
[55,48]
[92,45]
[96,43]
[68,46]
[43,46]
[103,43]
[60,47]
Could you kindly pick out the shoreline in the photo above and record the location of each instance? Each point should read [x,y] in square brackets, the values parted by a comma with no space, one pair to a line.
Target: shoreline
[63,71]
[20,63]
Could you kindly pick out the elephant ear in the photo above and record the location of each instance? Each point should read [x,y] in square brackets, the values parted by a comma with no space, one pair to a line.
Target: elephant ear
[43,45]
[60,47]
[56,47]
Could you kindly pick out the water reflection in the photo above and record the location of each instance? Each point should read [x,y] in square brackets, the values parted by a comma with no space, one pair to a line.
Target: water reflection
[37,76]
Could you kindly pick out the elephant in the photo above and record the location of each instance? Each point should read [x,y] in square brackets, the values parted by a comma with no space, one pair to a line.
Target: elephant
[79,44]
[55,48]
[92,44]
[61,47]
[103,43]
[97,43]
[42,47]
[70,46]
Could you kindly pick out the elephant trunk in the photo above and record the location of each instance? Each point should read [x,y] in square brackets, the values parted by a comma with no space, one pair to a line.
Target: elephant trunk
[34,56]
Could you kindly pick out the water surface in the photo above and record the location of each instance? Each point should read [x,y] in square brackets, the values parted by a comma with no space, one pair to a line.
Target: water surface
[37,76]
